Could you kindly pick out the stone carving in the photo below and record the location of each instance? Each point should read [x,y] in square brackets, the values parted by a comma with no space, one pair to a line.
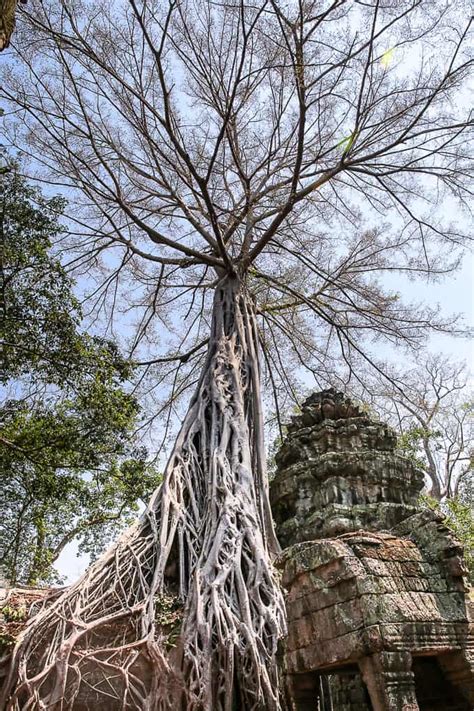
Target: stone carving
[337,471]
[374,583]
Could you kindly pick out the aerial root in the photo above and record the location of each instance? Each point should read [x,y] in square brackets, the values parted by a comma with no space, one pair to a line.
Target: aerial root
[184,611]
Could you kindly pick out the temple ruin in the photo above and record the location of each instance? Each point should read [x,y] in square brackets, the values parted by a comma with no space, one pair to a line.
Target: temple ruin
[375,590]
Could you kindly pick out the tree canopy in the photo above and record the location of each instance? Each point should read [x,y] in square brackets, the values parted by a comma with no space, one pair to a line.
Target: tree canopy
[312,147]
[69,467]
[430,404]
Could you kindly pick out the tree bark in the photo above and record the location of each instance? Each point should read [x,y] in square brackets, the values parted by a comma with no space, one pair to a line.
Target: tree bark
[38,563]
[7,21]
[207,537]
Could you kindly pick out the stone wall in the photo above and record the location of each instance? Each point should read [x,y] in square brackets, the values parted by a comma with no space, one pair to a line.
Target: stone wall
[375,586]
[340,475]
[355,595]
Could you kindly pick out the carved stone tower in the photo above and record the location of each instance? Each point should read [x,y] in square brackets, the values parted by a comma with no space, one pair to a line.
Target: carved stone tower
[376,601]
[338,472]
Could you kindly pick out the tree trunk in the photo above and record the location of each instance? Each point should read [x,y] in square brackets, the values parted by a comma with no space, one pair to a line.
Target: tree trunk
[38,562]
[7,21]
[435,489]
[206,538]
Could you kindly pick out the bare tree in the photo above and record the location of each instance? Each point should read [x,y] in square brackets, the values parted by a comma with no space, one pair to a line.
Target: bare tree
[257,149]
[433,411]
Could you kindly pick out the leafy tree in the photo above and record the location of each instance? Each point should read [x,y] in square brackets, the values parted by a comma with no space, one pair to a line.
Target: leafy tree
[242,176]
[68,468]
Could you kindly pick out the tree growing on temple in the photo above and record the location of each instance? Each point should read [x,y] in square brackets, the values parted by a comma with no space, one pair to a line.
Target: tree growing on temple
[242,176]
[68,468]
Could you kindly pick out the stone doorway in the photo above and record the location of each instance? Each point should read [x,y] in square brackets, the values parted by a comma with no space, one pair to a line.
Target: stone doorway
[434,691]
[344,690]
[340,689]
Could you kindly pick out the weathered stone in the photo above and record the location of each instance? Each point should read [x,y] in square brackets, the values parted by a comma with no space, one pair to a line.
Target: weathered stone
[371,579]
[377,607]
[390,681]
[336,476]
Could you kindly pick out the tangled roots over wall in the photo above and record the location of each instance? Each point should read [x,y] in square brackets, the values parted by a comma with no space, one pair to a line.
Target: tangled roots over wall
[198,558]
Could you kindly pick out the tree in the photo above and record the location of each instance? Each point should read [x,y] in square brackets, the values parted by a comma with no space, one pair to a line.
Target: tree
[254,148]
[7,21]
[430,406]
[433,412]
[68,468]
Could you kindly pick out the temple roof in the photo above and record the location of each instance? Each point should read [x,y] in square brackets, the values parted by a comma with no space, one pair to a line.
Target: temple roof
[338,470]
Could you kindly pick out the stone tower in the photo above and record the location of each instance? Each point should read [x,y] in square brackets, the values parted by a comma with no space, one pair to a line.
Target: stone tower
[338,472]
[376,600]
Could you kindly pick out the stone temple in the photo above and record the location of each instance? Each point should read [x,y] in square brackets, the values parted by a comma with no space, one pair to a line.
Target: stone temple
[375,589]
[376,597]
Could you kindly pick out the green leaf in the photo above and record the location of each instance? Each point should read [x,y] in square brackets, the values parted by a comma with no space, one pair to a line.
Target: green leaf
[69,466]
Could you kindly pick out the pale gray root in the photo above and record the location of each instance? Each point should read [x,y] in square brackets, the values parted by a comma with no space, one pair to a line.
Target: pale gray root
[206,537]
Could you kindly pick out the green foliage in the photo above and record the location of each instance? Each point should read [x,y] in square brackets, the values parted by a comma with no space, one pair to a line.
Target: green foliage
[40,316]
[14,614]
[69,468]
[6,642]
[347,142]
[169,616]
[409,444]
